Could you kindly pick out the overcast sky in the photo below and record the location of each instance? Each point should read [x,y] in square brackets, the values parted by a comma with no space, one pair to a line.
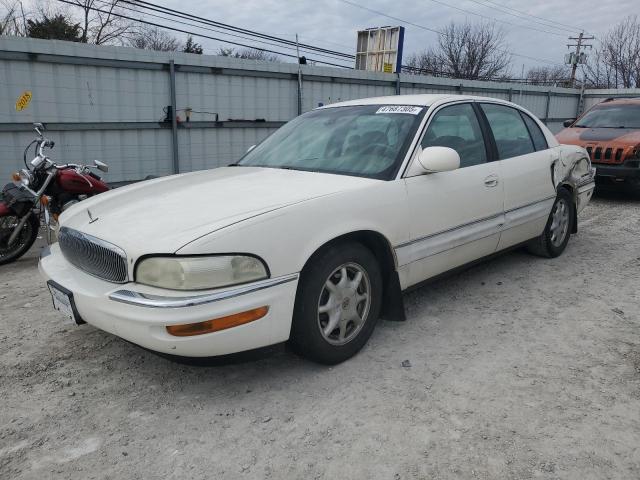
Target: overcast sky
[333,23]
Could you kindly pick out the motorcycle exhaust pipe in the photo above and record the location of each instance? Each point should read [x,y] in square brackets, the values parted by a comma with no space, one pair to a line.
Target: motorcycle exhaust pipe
[14,234]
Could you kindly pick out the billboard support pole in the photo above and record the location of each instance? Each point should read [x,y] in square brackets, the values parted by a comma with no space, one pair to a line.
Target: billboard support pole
[299,77]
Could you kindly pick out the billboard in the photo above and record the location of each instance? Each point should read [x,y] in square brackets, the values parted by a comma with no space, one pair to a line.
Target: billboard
[379,49]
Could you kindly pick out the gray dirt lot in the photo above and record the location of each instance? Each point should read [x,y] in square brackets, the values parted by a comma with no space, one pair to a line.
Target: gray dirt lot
[519,368]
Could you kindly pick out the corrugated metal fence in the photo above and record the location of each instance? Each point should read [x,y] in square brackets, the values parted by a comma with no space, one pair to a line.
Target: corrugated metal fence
[110,103]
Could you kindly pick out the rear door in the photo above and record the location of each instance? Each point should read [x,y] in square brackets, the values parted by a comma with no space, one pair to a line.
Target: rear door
[525,168]
[455,216]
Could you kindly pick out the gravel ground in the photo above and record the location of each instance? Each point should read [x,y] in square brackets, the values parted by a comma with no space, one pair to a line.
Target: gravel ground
[518,368]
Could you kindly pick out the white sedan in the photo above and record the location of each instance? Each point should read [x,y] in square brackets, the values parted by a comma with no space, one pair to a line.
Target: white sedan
[314,234]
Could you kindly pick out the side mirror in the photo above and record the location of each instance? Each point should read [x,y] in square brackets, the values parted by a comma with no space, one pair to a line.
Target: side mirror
[103,167]
[568,123]
[250,148]
[439,159]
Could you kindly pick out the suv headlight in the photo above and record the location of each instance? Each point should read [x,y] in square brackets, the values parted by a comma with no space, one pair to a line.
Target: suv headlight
[199,273]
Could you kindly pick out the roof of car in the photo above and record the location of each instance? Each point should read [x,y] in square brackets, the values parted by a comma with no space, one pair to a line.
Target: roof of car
[420,100]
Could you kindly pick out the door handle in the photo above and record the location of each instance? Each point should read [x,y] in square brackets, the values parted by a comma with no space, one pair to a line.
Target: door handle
[491,181]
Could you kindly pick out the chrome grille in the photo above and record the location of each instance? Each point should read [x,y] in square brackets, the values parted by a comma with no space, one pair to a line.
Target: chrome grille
[93,256]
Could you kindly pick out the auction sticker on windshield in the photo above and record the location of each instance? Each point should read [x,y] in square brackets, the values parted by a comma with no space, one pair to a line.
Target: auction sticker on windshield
[400,109]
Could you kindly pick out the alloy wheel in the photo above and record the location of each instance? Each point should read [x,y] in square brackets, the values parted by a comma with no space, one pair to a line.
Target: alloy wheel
[344,303]
[559,222]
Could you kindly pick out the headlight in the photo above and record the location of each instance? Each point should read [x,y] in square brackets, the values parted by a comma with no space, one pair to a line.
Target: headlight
[200,273]
[24,177]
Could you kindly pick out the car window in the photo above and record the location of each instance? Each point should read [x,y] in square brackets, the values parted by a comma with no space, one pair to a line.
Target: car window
[509,131]
[611,116]
[457,127]
[367,141]
[539,140]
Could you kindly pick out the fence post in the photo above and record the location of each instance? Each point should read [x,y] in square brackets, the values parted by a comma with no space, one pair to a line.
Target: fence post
[398,83]
[174,121]
[546,110]
[580,106]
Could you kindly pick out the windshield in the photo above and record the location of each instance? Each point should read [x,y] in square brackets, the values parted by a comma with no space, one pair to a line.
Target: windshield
[611,116]
[368,141]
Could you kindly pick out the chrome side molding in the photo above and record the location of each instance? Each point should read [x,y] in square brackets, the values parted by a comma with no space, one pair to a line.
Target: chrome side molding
[156,301]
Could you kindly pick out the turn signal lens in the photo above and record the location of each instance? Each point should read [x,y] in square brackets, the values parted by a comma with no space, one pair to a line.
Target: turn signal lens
[15,176]
[44,200]
[217,324]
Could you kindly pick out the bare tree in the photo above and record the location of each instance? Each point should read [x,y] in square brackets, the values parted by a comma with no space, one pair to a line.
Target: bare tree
[248,54]
[470,51]
[426,62]
[556,75]
[152,38]
[100,22]
[616,63]
[621,51]
[597,73]
[13,20]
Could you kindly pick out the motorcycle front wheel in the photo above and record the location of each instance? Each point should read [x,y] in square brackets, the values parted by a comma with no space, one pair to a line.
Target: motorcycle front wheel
[24,241]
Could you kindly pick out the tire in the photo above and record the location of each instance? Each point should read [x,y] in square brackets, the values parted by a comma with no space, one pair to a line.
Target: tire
[352,307]
[557,231]
[24,241]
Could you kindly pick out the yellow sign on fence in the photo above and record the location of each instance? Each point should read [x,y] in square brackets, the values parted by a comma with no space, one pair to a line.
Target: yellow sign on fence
[23,101]
[387,68]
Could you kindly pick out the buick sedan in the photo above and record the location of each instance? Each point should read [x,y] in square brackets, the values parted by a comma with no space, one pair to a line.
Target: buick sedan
[314,234]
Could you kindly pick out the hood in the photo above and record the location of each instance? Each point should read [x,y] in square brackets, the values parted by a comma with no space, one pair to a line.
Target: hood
[612,137]
[162,215]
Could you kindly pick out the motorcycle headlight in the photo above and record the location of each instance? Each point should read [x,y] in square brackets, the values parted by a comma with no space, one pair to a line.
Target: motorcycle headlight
[25,177]
[200,273]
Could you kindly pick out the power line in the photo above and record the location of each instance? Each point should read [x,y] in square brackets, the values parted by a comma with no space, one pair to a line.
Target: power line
[495,6]
[495,19]
[105,2]
[202,35]
[407,22]
[199,19]
[571,27]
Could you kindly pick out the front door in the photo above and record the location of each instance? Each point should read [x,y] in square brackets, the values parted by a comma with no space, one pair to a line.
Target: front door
[455,216]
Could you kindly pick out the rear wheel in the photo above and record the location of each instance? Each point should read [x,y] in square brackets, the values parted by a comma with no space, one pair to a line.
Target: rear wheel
[24,241]
[337,304]
[559,226]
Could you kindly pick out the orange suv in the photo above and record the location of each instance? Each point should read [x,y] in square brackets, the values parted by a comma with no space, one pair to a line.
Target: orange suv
[610,131]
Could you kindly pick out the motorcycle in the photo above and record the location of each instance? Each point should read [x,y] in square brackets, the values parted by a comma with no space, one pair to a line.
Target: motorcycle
[42,189]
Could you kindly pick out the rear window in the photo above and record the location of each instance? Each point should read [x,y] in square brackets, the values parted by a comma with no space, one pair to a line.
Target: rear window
[539,140]
[509,131]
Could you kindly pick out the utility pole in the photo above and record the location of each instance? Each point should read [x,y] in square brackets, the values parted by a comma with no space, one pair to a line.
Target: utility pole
[574,57]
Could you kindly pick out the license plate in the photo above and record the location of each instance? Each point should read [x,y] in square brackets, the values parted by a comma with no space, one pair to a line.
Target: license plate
[63,302]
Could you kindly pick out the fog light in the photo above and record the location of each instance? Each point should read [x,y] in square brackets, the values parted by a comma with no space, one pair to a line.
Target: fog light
[217,324]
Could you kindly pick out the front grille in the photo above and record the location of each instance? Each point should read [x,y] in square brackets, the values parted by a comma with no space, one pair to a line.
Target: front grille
[605,154]
[93,256]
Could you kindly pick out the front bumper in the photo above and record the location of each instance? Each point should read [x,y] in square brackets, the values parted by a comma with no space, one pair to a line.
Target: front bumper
[616,171]
[140,314]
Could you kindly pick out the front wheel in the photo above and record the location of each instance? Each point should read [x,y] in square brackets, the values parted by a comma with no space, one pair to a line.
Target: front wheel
[24,241]
[559,226]
[337,304]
